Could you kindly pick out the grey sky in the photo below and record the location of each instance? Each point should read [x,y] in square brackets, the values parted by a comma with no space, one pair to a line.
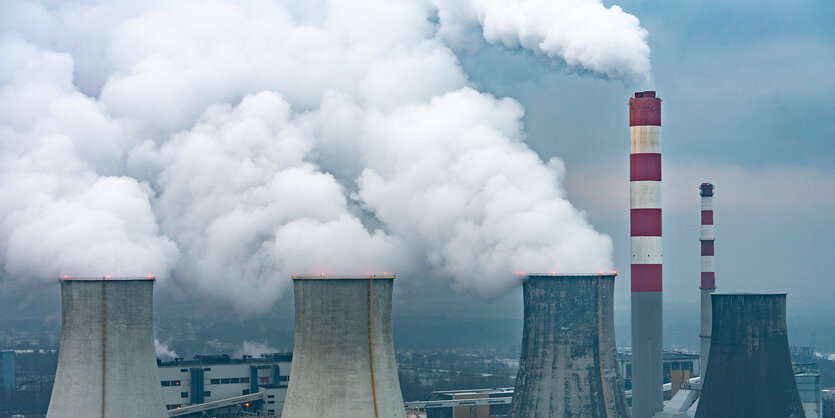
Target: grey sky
[749,104]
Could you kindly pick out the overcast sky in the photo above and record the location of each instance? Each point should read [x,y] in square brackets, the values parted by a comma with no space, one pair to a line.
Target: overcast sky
[748,93]
[748,103]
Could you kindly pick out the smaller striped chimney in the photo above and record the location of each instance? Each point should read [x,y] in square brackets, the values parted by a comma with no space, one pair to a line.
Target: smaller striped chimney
[708,284]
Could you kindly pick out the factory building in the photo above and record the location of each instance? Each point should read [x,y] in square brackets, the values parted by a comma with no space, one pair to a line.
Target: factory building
[473,403]
[106,364]
[807,377]
[7,371]
[678,368]
[343,352]
[828,403]
[568,366]
[212,380]
[645,241]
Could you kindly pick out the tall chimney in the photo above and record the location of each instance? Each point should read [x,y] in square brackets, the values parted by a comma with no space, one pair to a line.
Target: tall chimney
[568,366]
[750,371]
[708,285]
[107,366]
[645,236]
[343,354]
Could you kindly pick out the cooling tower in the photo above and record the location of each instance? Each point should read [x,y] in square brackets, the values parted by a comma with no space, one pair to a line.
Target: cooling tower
[646,266]
[106,366]
[750,371]
[343,354]
[568,366]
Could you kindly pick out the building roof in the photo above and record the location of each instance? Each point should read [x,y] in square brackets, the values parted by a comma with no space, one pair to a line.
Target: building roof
[207,360]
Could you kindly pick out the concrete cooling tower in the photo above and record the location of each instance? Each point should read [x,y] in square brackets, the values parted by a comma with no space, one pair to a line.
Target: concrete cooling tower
[568,366]
[750,371]
[106,366]
[343,354]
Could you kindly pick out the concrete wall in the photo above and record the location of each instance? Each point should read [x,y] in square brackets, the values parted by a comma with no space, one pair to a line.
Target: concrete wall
[331,371]
[750,372]
[106,365]
[568,366]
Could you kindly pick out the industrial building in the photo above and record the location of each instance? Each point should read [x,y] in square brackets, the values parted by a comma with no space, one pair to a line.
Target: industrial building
[471,403]
[343,352]
[216,384]
[107,365]
[7,370]
[645,241]
[808,379]
[568,366]
[678,368]
[828,403]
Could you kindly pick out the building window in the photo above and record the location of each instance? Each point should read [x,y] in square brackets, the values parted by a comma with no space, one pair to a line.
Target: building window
[270,402]
[173,406]
[184,394]
[214,382]
[264,379]
[283,378]
[207,393]
[207,369]
[175,383]
[224,380]
[270,396]
[183,370]
[245,392]
[235,380]
[166,383]
[244,380]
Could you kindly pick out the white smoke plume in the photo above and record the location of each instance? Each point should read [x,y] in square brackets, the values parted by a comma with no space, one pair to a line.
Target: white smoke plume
[254,349]
[228,145]
[584,34]
[163,352]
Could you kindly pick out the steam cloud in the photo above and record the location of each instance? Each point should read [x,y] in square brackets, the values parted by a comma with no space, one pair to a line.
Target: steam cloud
[230,145]
[163,352]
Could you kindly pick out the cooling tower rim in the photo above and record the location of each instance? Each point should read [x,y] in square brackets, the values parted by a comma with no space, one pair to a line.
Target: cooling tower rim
[346,277]
[569,275]
[148,278]
[749,294]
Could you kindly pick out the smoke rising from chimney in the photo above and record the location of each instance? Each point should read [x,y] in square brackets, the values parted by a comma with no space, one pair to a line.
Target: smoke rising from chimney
[227,146]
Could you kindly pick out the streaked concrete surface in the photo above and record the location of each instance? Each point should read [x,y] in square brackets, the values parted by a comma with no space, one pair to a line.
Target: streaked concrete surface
[750,371]
[331,374]
[107,366]
[568,366]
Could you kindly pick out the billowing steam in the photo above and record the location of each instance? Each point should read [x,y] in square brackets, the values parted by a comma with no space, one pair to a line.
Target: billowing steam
[229,145]
[163,352]
[584,34]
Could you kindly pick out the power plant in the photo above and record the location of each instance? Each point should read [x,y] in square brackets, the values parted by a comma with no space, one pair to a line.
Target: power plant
[568,366]
[107,366]
[343,360]
[708,283]
[750,369]
[343,353]
[645,241]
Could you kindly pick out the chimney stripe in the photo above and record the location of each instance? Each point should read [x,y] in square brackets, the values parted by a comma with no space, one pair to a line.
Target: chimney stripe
[645,167]
[646,277]
[645,222]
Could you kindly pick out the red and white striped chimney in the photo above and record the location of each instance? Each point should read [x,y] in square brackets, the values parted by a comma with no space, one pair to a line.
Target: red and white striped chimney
[708,284]
[645,236]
